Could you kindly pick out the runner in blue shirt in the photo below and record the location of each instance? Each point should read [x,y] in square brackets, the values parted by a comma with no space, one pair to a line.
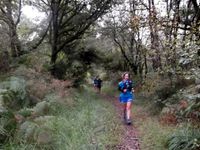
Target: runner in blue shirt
[126,96]
[97,84]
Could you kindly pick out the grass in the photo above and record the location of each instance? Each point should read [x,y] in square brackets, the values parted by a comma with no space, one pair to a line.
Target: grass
[20,146]
[89,124]
[153,134]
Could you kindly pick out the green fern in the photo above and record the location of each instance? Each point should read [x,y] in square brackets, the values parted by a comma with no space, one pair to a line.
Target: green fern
[14,93]
[186,139]
[2,130]
[7,126]
[193,107]
[25,112]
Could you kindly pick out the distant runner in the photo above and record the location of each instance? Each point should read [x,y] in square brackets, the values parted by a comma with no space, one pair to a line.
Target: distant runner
[126,96]
[97,84]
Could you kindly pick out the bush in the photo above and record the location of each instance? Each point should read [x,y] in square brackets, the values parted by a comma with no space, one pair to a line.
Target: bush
[165,92]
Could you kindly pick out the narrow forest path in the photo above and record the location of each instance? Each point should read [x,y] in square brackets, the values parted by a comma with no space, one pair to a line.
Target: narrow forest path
[129,139]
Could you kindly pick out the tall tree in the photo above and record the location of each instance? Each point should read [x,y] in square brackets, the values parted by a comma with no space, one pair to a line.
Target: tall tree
[123,26]
[10,13]
[70,19]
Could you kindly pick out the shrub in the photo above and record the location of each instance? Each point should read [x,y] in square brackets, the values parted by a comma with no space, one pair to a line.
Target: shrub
[165,92]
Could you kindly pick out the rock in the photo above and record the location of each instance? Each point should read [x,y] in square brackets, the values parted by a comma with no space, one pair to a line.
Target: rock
[27,130]
[44,137]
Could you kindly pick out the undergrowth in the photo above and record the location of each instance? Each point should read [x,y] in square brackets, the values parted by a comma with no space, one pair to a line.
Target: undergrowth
[89,124]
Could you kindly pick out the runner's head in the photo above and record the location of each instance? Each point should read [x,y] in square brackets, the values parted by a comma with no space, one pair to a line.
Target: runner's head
[125,76]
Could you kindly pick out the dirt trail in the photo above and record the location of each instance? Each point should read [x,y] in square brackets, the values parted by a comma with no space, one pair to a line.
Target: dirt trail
[129,139]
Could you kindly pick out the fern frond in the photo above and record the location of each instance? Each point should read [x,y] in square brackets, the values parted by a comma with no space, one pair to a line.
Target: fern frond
[186,139]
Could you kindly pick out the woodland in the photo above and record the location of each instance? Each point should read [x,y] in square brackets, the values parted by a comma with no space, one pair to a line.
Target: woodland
[51,50]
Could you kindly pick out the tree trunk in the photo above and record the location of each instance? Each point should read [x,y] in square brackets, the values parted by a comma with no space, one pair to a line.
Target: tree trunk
[145,64]
[154,35]
[54,35]
[14,40]
[175,24]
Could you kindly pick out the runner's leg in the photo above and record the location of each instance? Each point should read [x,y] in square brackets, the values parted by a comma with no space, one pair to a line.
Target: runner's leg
[125,111]
[128,109]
